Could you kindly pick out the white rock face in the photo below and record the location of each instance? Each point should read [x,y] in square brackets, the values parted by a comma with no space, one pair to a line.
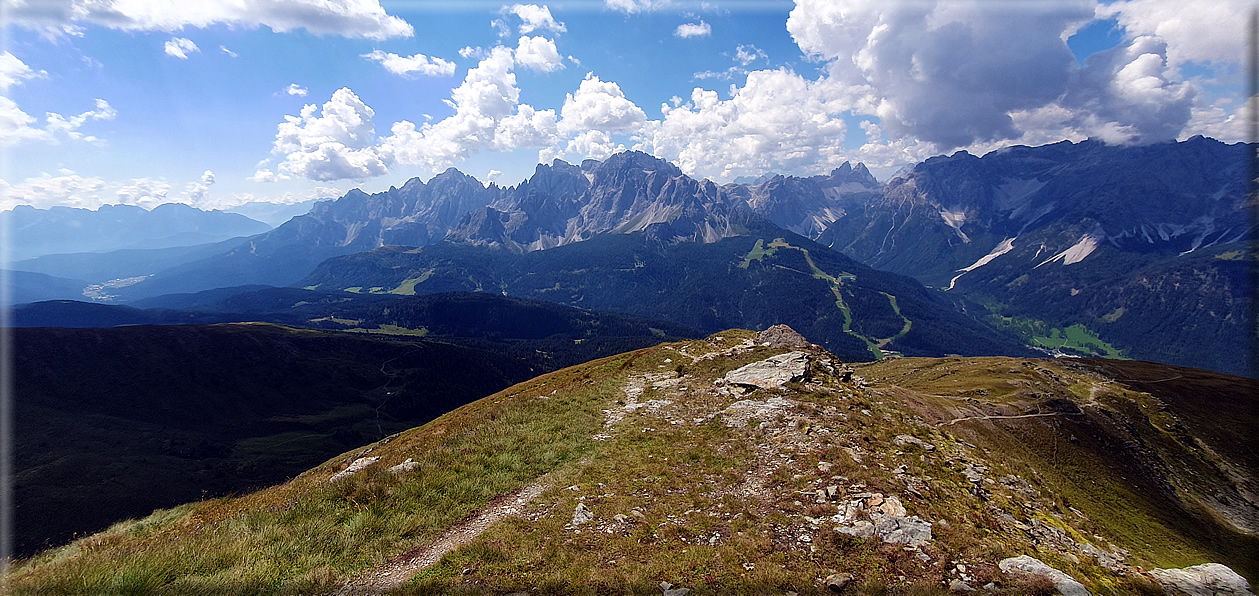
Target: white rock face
[1066,584]
[1211,579]
[771,373]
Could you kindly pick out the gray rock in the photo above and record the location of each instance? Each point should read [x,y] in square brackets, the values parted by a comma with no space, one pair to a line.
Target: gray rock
[669,590]
[958,585]
[837,582]
[903,530]
[782,336]
[1210,579]
[354,467]
[861,529]
[771,373]
[405,466]
[903,440]
[1065,584]
[582,515]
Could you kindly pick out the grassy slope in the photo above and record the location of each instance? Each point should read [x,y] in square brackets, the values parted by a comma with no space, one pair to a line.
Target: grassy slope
[170,414]
[724,501]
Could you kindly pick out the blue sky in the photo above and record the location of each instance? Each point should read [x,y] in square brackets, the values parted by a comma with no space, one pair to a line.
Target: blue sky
[150,101]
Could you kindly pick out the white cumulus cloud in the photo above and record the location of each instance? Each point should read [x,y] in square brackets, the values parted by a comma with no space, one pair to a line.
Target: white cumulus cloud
[777,121]
[16,126]
[538,53]
[417,64]
[600,105]
[700,29]
[633,6]
[295,89]
[13,71]
[348,18]
[66,189]
[180,47]
[228,52]
[334,144]
[536,18]
[1194,31]
[143,192]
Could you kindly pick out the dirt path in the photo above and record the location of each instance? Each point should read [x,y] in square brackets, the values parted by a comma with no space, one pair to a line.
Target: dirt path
[393,574]
[956,420]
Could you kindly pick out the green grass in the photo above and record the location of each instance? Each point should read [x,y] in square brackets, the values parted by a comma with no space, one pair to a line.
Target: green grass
[309,535]
[720,508]
[407,287]
[386,329]
[1077,338]
[757,253]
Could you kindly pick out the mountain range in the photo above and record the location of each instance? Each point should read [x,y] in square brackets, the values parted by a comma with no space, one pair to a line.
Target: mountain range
[34,232]
[1076,248]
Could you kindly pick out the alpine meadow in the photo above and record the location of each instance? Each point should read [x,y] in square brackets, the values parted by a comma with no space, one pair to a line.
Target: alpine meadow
[763,297]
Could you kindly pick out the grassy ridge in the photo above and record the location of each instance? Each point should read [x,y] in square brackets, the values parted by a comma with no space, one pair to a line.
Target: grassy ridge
[311,535]
[711,489]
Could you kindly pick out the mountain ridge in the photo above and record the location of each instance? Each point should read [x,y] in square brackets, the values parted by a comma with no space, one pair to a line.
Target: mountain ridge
[739,462]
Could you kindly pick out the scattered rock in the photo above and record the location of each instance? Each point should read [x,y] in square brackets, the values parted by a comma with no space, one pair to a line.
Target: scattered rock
[669,590]
[858,529]
[958,585]
[837,582]
[1210,579]
[824,467]
[771,373]
[903,530]
[740,412]
[872,514]
[1065,584]
[405,466]
[903,440]
[355,466]
[782,336]
[582,514]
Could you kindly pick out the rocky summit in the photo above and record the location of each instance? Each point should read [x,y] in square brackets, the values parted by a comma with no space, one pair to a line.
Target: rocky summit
[742,463]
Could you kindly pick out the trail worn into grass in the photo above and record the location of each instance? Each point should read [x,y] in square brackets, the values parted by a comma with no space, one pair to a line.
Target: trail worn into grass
[1016,417]
[397,572]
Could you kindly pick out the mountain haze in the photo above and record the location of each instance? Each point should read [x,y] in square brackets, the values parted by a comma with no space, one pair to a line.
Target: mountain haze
[59,230]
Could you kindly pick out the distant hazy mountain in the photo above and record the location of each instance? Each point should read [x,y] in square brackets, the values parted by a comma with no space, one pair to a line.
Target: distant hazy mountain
[98,267]
[273,214]
[61,230]
[809,206]
[25,286]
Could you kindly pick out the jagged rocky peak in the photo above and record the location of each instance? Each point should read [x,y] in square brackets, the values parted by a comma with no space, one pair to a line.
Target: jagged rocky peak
[847,172]
[628,161]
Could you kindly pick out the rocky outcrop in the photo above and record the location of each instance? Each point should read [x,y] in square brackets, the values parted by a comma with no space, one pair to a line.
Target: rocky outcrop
[1024,564]
[354,467]
[771,373]
[782,336]
[1211,579]
[867,515]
